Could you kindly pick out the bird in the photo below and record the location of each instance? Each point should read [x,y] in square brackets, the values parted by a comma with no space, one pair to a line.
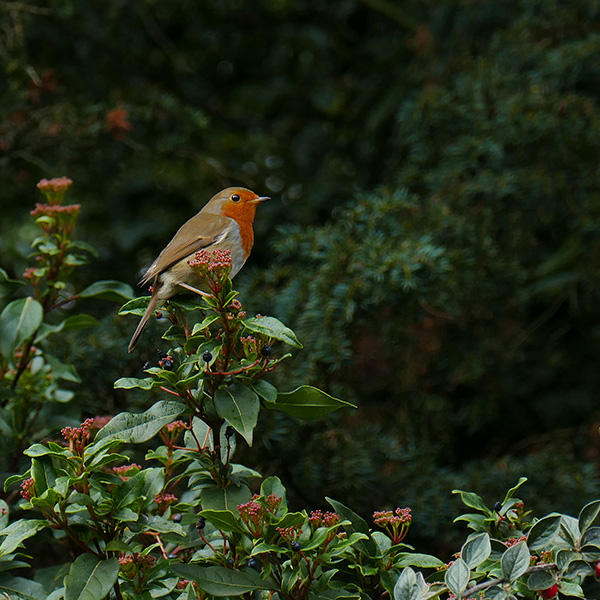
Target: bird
[225,222]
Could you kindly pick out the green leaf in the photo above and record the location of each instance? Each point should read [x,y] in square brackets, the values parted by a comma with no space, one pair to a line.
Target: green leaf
[162,525]
[472,500]
[266,390]
[421,561]
[5,279]
[222,582]
[136,307]
[225,498]
[16,533]
[43,473]
[140,427]
[407,587]
[515,561]
[129,383]
[589,516]
[543,534]
[307,402]
[568,588]
[512,490]
[23,589]
[476,549]
[18,322]
[80,321]
[540,580]
[239,406]
[115,291]
[222,519]
[91,578]
[457,577]
[356,524]
[273,328]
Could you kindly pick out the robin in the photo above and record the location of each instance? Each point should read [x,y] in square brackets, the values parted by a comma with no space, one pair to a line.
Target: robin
[225,222]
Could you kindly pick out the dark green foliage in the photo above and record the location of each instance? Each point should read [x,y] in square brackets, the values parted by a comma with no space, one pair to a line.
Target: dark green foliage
[434,169]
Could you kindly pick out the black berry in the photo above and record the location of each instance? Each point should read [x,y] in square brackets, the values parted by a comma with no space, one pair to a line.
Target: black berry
[266,350]
[167,364]
[229,431]
[177,518]
[207,356]
[201,523]
[296,546]
[147,365]
[161,353]
[498,506]
[251,563]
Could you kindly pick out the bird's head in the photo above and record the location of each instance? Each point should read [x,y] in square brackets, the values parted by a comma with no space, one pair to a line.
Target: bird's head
[237,203]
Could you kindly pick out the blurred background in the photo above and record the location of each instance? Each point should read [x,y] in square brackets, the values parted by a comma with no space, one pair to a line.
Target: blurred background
[433,238]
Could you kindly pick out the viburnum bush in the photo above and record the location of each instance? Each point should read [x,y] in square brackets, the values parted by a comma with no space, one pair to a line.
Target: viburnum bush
[191,523]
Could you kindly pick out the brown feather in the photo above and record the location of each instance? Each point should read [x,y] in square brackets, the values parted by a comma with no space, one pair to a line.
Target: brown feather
[144,320]
[185,242]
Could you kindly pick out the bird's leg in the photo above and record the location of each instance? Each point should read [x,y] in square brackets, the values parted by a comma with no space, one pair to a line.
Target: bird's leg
[193,289]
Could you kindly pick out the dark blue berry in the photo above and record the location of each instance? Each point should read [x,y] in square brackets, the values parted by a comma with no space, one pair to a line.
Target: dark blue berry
[207,356]
[266,350]
[177,518]
[147,365]
[498,506]
[167,364]
[201,523]
[252,563]
[161,353]
[229,431]
[296,546]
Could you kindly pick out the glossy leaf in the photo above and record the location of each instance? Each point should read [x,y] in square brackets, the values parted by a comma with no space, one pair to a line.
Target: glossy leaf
[115,291]
[515,561]
[307,402]
[16,533]
[222,582]
[457,577]
[18,322]
[23,589]
[140,427]
[356,524]
[239,406]
[476,549]
[273,328]
[90,578]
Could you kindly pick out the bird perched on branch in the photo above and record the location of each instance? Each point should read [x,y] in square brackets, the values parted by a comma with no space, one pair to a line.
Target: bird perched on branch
[225,222]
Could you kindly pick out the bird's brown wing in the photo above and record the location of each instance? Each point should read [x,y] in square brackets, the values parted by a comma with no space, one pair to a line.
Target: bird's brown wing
[187,241]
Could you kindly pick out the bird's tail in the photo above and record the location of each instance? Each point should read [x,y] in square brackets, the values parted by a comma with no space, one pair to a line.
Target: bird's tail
[144,320]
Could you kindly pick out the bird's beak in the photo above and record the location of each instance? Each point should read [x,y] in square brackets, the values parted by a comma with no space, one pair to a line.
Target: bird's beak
[261,199]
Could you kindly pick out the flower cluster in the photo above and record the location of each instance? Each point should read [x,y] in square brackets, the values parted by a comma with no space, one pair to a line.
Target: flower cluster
[290,534]
[170,432]
[254,513]
[78,437]
[213,267]
[54,189]
[164,500]
[132,564]
[319,519]
[28,488]
[126,471]
[395,523]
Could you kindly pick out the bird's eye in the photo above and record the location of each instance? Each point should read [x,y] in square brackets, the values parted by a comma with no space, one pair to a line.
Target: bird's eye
[235,198]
